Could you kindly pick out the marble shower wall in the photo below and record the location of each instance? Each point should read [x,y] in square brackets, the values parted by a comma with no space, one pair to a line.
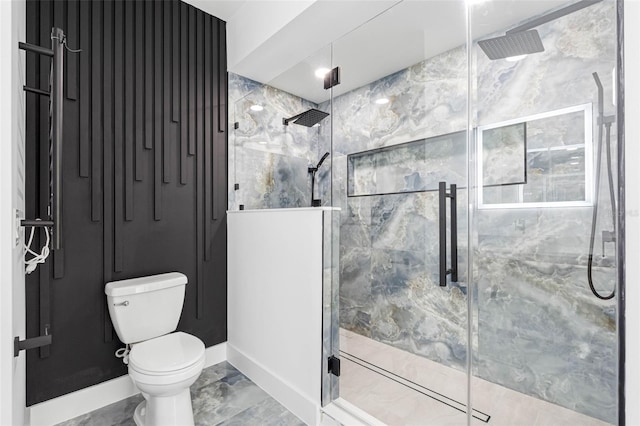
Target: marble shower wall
[267,159]
[537,327]
[389,243]
[540,330]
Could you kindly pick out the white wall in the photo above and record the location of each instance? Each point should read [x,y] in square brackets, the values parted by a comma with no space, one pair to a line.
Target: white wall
[12,315]
[274,304]
[632,158]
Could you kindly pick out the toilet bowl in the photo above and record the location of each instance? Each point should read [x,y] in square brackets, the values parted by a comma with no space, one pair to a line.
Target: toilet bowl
[163,363]
[163,369]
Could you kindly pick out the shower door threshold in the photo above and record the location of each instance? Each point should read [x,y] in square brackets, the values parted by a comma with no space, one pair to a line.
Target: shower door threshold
[342,412]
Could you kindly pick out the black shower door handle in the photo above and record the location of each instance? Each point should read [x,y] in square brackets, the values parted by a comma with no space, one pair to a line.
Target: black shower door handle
[442,201]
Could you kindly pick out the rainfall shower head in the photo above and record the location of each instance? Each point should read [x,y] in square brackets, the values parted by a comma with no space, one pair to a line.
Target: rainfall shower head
[307,118]
[523,39]
[512,44]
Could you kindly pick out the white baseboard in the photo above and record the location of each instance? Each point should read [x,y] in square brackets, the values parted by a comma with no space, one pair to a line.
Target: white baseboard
[215,354]
[281,391]
[85,400]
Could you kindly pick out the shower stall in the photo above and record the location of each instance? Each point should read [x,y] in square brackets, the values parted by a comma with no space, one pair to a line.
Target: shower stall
[477,186]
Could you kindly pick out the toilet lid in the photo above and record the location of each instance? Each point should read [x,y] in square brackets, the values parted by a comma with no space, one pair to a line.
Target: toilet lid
[167,353]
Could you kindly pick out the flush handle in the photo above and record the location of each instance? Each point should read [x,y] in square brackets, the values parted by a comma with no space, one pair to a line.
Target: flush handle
[125,303]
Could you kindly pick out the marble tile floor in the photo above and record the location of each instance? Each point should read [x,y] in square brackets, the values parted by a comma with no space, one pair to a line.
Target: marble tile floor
[221,396]
[400,388]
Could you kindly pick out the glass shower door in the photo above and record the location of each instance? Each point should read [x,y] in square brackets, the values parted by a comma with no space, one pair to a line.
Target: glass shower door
[399,162]
[544,225]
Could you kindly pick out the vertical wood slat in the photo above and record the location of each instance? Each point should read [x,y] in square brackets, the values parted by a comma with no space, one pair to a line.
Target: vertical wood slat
[215,112]
[157,139]
[222,77]
[107,153]
[118,136]
[44,294]
[199,168]
[71,65]
[139,83]
[184,82]
[96,110]
[85,88]
[220,154]
[129,111]
[224,122]
[59,21]
[149,90]
[175,97]
[207,136]
[167,136]
[192,80]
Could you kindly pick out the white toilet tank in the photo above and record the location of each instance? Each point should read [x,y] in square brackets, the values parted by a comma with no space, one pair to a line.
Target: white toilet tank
[146,307]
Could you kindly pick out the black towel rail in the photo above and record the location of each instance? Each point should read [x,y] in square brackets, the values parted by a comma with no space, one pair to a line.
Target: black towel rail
[56,110]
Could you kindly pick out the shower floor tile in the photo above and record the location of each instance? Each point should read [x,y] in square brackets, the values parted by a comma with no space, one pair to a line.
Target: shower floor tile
[400,388]
[221,396]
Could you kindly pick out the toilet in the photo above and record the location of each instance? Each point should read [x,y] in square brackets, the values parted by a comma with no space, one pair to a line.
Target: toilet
[163,363]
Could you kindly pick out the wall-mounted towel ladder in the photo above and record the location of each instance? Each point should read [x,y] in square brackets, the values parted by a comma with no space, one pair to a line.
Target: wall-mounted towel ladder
[55,169]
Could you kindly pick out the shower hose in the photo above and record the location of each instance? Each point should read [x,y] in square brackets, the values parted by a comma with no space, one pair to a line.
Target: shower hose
[601,125]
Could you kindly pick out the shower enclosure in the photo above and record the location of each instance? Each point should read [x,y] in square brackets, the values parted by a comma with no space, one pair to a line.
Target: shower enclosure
[478,223]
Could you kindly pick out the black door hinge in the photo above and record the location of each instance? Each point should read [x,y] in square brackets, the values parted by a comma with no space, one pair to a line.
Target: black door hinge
[334,365]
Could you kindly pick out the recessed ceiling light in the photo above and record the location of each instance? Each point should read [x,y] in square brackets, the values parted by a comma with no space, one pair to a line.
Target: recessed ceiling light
[262,142]
[515,58]
[575,163]
[321,72]
[382,101]
[256,107]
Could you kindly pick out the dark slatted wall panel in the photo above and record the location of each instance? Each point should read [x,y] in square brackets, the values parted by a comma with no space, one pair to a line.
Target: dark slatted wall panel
[85,87]
[107,156]
[149,64]
[167,139]
[144,176]
[71,70]
[199,113]
[184,87]
[129,112]
[46,21]
[139,73]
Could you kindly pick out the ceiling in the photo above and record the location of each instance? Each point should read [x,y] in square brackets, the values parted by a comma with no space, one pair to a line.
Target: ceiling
[370,38]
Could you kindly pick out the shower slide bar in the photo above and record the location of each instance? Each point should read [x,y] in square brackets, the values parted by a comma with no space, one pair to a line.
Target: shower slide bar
[442,211]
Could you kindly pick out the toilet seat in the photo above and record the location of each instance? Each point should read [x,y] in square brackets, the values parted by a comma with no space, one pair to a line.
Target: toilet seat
[171,354]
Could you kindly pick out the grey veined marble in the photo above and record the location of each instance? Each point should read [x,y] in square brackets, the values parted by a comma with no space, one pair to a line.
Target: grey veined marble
[221,396]
[267,159]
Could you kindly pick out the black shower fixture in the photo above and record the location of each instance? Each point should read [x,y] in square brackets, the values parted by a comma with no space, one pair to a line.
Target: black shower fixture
[523,39]
[512,44]
[312,170]
[307,118]
[604,124]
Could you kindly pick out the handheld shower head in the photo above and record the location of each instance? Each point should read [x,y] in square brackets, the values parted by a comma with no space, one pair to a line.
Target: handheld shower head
[324,157]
